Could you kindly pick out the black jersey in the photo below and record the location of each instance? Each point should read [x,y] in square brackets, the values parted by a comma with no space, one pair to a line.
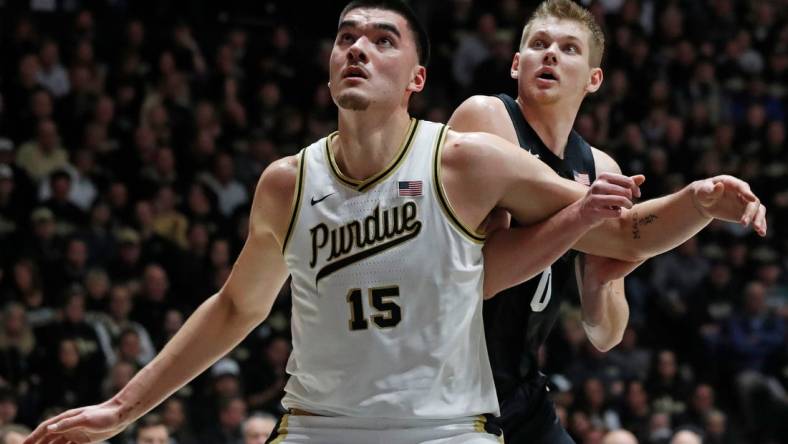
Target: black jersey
[518,320]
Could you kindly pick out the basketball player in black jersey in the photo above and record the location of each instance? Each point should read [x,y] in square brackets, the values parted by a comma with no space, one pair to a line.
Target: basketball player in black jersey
[557,65]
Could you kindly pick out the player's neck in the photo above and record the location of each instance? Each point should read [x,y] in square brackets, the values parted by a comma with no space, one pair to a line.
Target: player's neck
[368,141]
[552,123]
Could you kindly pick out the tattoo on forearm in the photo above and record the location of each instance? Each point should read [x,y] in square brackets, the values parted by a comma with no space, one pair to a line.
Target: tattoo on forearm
[638,221]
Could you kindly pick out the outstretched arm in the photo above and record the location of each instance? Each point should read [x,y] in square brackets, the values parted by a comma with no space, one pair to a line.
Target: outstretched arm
[482,171]
[514,255]
[217,326]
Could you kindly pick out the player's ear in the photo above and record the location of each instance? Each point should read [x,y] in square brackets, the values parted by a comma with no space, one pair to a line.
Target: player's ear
[594,80]
[418,80]
[515,71]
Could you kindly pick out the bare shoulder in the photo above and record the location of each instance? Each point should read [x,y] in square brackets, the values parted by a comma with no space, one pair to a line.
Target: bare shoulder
[280,178]
[481,104]
[275,194]
[469,149]
[483,113]
[604,163]
[481,157]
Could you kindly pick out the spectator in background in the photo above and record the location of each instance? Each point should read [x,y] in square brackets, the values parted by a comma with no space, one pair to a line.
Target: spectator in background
[8,406]
[636,411]
[68,215]
[28,288]
[226,429]
[16,346]
[168,222]
[52,74]
[229,191]
[72,325]
[126,268]
[118,376]
[266,388]
[666,386]
[71,381]
[686,437]
[619,437]
[701,404]
[751,338]
[716,429]
[110,326]
[153,300]
[150,429]
[174,414]
[13,434]
[257,428]
[43,155]
[97,287]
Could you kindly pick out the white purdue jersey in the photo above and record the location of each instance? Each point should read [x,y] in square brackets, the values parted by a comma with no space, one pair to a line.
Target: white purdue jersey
[387,291]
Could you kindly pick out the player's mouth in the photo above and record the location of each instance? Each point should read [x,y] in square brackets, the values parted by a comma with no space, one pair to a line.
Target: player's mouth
[354,72]
[546,76]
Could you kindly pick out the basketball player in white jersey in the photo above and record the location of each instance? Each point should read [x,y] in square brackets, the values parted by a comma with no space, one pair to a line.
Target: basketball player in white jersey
[380,227]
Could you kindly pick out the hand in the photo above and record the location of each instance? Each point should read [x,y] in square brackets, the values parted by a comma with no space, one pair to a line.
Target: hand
[496,220]
[730,199]
[608,194]
[83,425]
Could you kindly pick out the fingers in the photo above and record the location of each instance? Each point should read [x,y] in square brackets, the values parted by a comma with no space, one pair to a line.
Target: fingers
[622,181]
[601,188]
[737,185]
[41,430]
[759,221]
[749,213]
[610,201]
[67,424]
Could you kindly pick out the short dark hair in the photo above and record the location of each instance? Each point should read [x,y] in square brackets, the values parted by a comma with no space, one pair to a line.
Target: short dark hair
[401,8]
[148,421]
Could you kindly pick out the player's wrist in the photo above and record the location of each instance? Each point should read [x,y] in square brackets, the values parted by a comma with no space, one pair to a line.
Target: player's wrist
[694,190]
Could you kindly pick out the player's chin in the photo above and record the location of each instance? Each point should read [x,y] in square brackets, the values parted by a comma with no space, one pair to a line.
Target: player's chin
[352,100]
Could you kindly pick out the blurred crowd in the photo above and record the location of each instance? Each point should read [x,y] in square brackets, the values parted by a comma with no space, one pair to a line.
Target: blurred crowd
[132,135]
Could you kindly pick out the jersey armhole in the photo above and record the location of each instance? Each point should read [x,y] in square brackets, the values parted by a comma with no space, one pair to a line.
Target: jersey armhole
[440,192]
[295,207]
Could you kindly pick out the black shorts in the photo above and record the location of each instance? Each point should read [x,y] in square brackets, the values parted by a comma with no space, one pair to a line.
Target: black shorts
[528,416]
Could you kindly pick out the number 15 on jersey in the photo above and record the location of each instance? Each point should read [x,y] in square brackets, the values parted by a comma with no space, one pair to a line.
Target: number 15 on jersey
[388,314]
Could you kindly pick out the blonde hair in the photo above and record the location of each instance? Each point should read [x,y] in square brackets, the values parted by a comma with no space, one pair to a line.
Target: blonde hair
[569,10]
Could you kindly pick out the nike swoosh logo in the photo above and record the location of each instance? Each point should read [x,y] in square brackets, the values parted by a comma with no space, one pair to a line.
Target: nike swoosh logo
[314,201]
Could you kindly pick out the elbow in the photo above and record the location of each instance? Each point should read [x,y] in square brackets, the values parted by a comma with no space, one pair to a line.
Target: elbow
[604,341]
[606,345]
[633,254]
[238,312]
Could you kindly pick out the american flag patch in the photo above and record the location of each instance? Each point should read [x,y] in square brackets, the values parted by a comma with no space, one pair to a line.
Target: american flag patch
[582,178]
[409,188]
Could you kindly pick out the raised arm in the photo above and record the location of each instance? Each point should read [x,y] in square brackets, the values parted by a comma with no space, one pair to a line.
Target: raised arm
[482,171]
[217,326]
[514,255]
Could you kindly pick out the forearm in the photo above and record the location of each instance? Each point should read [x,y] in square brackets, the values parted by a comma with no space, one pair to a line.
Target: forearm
[213,330]
[647,229]
[605,313]
[512,256]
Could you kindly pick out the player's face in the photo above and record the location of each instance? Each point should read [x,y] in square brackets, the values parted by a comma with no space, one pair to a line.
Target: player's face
[374,60]
[553,63]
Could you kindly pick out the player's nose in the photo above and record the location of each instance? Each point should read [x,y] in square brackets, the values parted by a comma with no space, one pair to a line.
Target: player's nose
[356,52]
